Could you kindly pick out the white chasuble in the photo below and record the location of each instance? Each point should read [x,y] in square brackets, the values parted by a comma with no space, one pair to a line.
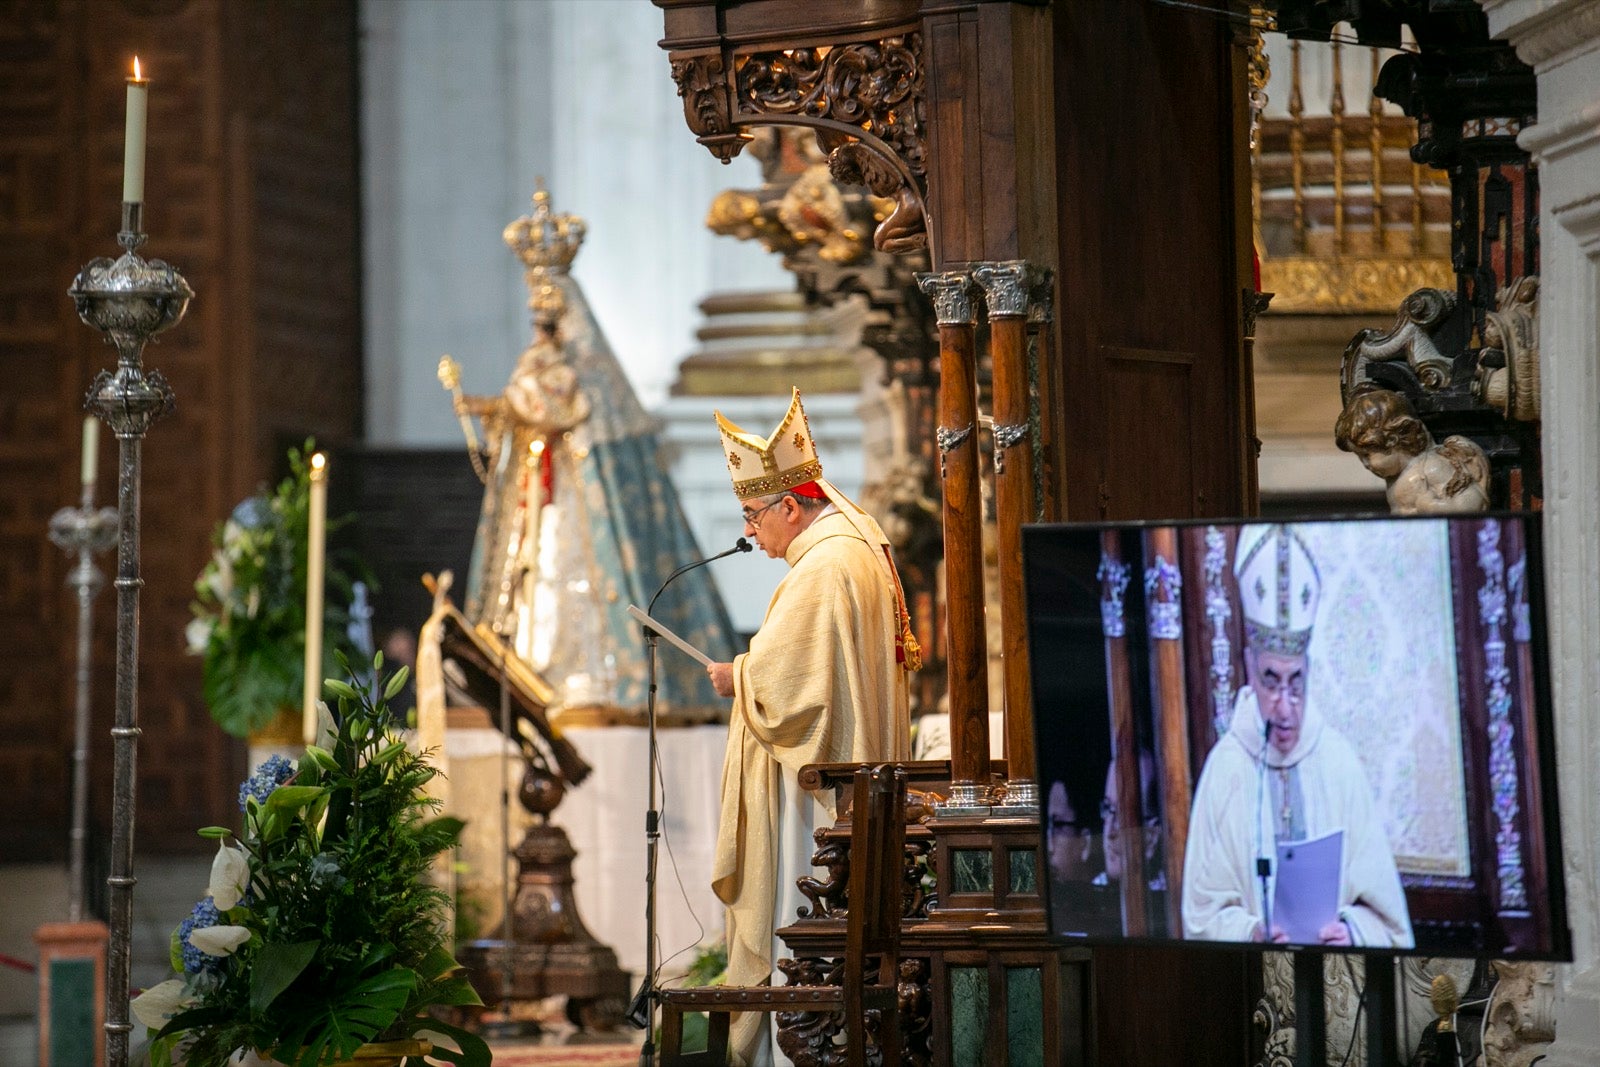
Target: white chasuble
[820,684]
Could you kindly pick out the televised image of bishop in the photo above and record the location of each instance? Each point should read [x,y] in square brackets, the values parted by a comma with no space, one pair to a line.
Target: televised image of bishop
[824,681]
[1283,774]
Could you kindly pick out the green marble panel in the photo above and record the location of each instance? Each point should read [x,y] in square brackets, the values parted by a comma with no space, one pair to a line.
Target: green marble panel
[73,1035]
[1024,1016]
[969,1013]
[972,870]
[1023,870]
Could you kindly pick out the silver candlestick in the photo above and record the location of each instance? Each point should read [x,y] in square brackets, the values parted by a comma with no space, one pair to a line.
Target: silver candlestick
[83,530]
[130,301]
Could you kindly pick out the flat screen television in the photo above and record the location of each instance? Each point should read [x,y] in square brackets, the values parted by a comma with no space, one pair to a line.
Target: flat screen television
[1333,732]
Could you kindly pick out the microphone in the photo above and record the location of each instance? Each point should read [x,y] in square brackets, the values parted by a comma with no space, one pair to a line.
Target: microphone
[740,545]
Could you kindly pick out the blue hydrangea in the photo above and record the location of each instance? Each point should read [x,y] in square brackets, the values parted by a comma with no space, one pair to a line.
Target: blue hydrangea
[194,961]
[269,776]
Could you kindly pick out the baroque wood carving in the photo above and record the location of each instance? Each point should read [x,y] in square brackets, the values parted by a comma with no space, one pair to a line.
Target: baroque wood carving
[865,100]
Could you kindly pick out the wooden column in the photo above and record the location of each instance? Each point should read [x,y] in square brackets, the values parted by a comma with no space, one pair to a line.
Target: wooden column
[1163,584]
[1006,291]
[1114,575]
[1046,371]
[952,294]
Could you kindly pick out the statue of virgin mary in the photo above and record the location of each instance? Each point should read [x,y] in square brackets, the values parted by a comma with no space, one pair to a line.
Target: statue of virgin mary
[579,517]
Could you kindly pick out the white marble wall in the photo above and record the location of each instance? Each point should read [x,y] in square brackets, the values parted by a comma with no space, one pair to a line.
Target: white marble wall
[464,104]
[1561,40]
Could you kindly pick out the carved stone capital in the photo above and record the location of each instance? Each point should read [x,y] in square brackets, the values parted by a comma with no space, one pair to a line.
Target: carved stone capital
[951,293]
[1005,287]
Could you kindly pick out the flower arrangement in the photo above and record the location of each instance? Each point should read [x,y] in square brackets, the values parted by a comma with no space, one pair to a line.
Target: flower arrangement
[250,608]
[320,932]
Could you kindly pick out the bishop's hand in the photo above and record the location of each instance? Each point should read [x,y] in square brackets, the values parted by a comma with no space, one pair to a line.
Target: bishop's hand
[721,675]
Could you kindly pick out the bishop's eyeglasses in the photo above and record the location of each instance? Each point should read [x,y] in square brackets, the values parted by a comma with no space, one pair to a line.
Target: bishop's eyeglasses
[750,516]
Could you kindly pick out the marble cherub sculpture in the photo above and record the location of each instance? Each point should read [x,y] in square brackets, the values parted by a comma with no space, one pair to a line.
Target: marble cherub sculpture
[1450,477]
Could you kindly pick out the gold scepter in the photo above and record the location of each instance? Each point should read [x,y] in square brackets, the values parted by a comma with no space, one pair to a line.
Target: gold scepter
[450,377]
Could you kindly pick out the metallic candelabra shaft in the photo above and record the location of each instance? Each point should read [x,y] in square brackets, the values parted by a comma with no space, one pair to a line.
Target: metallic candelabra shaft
[125,750]
[130,301]
[86,578]
[82,531]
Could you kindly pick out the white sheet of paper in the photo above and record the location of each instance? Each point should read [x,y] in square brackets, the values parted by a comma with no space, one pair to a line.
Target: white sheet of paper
[694,653]
[1307,897]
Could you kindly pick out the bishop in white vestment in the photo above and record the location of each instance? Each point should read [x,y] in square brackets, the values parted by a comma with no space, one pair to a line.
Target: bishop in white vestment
[824,681]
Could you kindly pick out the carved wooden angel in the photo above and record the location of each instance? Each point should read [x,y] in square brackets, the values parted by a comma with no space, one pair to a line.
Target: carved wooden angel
[1451,477]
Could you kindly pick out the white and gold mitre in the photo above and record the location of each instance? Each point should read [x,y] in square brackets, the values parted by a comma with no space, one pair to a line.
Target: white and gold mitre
[761,466]
[1278,588]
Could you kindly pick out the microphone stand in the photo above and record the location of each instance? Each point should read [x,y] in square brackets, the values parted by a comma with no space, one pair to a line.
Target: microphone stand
[1263,864]
[642,1011]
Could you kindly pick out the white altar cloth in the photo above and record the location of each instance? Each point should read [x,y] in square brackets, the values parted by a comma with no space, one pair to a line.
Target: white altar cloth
[605,819]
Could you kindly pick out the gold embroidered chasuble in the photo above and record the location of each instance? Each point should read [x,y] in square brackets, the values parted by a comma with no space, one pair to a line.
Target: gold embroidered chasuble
[820,684]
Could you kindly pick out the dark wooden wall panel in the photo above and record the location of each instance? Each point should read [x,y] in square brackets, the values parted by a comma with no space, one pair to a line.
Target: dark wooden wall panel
[1152,238]
[269,246]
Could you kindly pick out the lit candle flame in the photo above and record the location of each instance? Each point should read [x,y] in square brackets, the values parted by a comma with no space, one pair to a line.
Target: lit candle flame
[318,462]
[136,75]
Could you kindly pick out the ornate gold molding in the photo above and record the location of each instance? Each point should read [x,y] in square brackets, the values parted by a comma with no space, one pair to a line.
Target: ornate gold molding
[1312,285]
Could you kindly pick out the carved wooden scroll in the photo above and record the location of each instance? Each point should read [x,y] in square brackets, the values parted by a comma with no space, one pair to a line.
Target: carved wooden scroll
[863,98]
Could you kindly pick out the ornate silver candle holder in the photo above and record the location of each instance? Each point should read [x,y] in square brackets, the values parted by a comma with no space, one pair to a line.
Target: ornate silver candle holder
[130,301]
[84,531]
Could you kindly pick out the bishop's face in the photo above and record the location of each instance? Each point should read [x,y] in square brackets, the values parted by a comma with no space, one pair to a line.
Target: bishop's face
[1279,682]
[773,524]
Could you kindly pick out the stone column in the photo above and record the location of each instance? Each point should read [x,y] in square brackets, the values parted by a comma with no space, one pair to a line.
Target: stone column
[1560,39]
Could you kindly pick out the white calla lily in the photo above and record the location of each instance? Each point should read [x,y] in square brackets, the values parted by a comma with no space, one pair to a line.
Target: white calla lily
[159,1003]
[230,873]
[218,940]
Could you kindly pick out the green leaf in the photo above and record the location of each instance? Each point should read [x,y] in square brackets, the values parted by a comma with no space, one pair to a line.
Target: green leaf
[474,1050]
[346,1023]
[274,968]
[216,833]
[436,835]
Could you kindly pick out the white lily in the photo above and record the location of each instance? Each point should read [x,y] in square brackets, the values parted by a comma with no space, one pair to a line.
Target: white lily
[159,1003]
[218,940]
[230,873]
[197,635]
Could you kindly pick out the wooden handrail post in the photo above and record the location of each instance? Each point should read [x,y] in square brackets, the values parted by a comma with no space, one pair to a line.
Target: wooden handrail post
[967,662]
[1114,575]
[1163,585]
[1006,290]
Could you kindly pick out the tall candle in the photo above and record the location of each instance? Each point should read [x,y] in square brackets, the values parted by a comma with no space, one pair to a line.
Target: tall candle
[133,138]
[315,557]
[91,448]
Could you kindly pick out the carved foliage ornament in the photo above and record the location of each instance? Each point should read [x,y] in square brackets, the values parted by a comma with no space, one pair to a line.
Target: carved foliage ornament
[875,86]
